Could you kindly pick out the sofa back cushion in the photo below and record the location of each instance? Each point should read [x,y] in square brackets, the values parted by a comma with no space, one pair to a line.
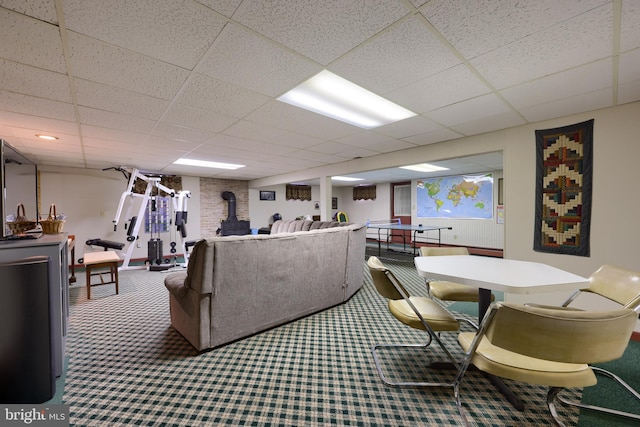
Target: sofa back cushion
[294,225]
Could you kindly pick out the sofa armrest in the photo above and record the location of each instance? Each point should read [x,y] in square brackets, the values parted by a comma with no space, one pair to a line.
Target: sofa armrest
[175,283]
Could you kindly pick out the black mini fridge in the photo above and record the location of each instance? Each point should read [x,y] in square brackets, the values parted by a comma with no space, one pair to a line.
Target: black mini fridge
[26,350]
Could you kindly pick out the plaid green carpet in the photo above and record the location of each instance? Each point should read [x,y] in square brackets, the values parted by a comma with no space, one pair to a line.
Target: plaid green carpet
[127,366]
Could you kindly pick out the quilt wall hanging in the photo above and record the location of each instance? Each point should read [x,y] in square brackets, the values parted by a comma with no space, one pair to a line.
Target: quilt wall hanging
[564,169]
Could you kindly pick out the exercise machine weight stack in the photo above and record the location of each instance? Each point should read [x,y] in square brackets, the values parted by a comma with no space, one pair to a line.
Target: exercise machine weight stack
[154,246]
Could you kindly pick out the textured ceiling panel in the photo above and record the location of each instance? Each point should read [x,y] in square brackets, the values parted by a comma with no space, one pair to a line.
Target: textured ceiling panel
[141,83]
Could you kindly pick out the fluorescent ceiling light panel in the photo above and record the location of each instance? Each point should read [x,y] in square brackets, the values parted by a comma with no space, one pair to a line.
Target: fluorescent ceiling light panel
[338,98]
[345,178]
[424,167]
[206,164]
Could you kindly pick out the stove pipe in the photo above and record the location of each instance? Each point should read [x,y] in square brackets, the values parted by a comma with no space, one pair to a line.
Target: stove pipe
[231,199]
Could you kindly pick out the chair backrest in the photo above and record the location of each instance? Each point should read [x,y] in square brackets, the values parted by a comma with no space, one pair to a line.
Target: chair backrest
[382,279]
[342,217]
[561,335]
[617,284]
[439,250]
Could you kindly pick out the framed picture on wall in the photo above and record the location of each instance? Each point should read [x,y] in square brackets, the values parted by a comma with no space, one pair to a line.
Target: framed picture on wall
[334,203]
[268,195]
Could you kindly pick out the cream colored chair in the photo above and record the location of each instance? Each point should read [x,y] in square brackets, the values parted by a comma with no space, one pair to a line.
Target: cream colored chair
[622,287]
[417,312]
[545,346]
[449,291]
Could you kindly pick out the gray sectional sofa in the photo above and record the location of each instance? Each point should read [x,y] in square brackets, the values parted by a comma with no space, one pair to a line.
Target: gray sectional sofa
[236,286]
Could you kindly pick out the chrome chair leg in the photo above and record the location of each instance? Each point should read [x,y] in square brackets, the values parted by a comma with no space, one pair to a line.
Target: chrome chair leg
[617,379]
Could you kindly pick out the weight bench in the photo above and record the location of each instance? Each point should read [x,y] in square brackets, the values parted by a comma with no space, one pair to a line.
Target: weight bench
[106,244]
[101,260]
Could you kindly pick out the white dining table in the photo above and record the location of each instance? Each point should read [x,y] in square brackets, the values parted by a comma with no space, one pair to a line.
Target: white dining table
[498,274]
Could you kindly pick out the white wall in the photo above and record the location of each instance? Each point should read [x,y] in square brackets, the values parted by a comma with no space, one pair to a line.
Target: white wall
[614,230]
[90,200]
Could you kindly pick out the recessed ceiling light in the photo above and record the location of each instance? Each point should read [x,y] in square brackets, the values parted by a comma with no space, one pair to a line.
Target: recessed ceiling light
[345,178]
[47,137]
[424,167]
[335,97]
[207,164]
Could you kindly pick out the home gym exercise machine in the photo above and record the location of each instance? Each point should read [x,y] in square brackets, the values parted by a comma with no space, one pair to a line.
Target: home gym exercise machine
[129,198]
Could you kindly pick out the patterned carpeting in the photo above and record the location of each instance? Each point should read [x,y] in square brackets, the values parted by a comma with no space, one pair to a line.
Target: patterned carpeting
[127,366]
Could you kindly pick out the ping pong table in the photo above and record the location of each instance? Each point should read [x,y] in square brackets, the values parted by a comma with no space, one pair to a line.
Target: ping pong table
[389,226]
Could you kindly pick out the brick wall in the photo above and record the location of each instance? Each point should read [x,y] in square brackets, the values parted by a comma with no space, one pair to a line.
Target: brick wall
[213,209]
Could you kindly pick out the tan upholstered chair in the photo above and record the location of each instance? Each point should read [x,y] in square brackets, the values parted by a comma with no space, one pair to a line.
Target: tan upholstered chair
[545,346]
[449,291]
[622,287]
[414,311]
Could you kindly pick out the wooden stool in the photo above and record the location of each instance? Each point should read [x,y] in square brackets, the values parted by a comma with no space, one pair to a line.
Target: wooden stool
[96,260]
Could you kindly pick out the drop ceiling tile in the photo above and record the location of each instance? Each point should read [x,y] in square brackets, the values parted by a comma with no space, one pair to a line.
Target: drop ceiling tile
[114,66]
[418,3]
[330,147]
[249,130]
[408,127]
[28,139]
[630,25]
[115,146]
[183,115]
[629,66]
[315,158]
[406,53]
[91,131]
[327,128]
[43,10]
[298,140]
[225,7]
[39,124]
[445,88]
[250,147]
[167,148]
[388,146]
[562,107]
[365,138]
[31,42]
[302,159]
[174,31]
[34,81]
[182,134]
[321,30]
[31,105]
[358,152]
[241,57]
[211,94]
[433,136]
[550,51]
[109,98]
[497,121]
[471,110]
[590,77]
[481,26]
[281,115]
[629,90]
[91,116]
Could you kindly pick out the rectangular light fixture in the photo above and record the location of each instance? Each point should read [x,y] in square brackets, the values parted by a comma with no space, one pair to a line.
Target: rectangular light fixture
[335,97]
[207,164]
[345,178]
[424,167]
